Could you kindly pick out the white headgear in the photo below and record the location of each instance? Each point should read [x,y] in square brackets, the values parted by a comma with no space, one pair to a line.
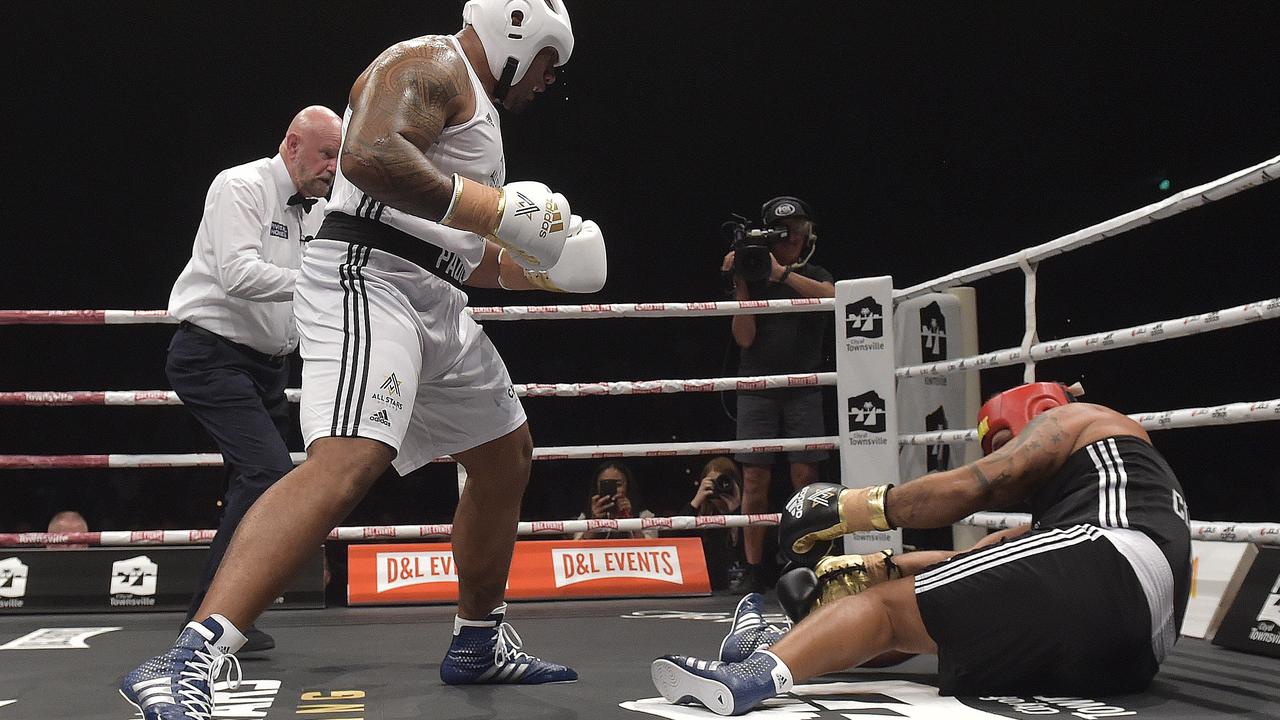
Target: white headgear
[542,23]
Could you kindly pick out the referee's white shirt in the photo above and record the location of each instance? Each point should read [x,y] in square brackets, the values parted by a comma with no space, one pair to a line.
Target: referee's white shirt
[239,281]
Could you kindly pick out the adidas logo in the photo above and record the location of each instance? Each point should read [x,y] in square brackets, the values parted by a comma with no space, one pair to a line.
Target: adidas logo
[795,506]
[381,417]
[525,206]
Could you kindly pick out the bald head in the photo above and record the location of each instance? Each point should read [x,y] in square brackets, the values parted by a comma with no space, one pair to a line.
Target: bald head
[310,149]
[68,521]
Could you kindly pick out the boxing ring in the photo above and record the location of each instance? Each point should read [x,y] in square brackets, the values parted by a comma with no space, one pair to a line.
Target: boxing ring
[365,662]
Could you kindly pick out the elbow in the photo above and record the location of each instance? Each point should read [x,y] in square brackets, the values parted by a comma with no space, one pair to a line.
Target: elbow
[238,286]
[362,170]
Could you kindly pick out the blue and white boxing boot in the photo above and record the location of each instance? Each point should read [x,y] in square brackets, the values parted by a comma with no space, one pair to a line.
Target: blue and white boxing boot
[178,685]
[750,632]
[488,652]
[723,688]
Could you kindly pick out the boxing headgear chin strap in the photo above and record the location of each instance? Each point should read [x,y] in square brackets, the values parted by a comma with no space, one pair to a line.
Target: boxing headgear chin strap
[1012,409]
[513,32]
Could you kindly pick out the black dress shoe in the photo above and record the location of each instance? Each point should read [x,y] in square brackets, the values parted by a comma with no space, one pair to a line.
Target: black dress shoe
[257,640]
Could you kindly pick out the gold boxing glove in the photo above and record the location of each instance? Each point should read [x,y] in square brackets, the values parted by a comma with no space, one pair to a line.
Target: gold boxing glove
[844,575]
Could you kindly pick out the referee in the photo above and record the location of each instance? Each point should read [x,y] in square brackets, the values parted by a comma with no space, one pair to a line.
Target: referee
[229,359]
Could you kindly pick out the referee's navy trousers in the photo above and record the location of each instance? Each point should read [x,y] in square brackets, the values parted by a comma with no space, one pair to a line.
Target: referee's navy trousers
[237,394]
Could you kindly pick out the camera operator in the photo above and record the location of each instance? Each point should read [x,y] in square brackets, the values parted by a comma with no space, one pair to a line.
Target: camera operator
[775,344]
[717,491]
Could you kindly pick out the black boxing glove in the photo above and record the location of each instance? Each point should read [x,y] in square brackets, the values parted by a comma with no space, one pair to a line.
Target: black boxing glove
[801,590]
[797,591]
[822,512]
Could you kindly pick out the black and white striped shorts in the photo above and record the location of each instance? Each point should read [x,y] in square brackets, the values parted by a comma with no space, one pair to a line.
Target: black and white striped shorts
[1055,611]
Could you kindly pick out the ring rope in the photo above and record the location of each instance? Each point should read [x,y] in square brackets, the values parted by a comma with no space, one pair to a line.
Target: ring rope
[31,398]
[512,312]
[1259,533]
[1030,335]
[1229,414]
[1225,186]
[1268,309]
[398,532]
[1215,531]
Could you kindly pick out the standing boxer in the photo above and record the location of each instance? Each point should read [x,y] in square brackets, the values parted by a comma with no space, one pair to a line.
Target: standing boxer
[396,373]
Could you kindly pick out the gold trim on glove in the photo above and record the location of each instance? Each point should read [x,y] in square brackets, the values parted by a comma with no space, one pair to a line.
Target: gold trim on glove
[542,280]
[875,504]
[474,207]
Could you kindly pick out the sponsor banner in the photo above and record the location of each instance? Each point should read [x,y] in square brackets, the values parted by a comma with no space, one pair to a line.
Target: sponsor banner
[1252,624]
[928,329]
[866,389]
[540,569]
[123,579]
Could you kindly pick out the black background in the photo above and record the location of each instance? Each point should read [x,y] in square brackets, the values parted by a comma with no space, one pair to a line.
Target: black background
[927,136]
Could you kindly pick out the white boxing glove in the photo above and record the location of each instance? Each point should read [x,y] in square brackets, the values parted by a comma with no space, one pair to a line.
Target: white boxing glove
[525,218]
[583,266]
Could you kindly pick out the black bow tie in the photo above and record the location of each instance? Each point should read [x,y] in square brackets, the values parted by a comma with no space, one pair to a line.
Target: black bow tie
[305,202]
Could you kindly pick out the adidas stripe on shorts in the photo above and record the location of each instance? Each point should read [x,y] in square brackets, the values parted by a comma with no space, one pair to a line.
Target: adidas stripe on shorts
[391,355]
[1059,611]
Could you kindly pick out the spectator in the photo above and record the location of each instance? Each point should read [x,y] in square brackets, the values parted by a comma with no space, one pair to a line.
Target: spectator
[718,491]
[615,495]
[68,521]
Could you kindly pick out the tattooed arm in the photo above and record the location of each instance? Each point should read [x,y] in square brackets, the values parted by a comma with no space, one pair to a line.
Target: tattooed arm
[399,106]
[1003,477]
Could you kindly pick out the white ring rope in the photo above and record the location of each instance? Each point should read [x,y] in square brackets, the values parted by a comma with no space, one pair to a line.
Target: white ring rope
[1161,420]
[400,532]
[1187,199]
[1225,186]
[513,312]
[1268,309]
[1216,531]
[29,398]
[1261,533]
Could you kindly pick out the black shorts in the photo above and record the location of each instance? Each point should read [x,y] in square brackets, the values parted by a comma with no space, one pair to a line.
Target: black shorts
[1055,611]
[789,413]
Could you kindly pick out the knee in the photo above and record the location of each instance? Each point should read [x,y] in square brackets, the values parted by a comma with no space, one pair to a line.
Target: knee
[896,602]
[520,453]
[755,480]
[525,450]
[349,466]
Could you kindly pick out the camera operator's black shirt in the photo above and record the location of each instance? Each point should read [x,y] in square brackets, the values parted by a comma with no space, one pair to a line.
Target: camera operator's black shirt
[787,342]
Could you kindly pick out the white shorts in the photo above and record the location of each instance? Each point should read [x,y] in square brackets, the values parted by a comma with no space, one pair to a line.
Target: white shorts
[390,354]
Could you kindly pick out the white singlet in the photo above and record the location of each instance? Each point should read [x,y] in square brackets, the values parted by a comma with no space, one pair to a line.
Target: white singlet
[389,352]
[472,149]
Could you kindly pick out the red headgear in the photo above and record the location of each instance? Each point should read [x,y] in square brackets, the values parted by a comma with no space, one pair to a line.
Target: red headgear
[1012,409]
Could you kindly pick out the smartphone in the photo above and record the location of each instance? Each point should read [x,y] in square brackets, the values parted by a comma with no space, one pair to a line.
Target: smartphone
[607,488]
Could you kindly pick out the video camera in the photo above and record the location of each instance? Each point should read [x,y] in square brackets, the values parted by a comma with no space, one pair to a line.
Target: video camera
[750,245]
